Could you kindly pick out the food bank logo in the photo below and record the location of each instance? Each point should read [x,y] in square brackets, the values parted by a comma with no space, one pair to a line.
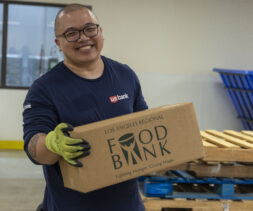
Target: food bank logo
[116,98]
[130,148]
[134,149]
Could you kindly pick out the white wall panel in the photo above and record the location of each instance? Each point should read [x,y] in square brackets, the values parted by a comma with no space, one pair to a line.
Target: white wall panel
[173,46]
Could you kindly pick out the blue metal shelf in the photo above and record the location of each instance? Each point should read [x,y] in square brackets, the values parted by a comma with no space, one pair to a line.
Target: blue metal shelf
[239,84]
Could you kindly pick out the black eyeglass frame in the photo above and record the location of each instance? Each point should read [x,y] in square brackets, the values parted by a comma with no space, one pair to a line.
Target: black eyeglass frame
[79,31]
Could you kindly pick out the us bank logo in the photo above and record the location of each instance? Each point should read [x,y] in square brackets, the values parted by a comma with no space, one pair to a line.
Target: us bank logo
[135,148]
[116,98]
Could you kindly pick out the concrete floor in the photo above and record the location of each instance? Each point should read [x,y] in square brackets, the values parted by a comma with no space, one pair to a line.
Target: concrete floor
[21,182]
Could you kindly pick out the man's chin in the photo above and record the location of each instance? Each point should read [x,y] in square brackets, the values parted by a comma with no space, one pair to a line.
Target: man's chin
[85,61]
[89,60]
[82,60]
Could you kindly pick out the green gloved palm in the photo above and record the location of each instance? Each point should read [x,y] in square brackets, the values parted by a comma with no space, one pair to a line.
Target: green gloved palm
[59,142]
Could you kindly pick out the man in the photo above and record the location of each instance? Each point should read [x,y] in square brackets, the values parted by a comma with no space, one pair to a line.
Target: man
[77,91]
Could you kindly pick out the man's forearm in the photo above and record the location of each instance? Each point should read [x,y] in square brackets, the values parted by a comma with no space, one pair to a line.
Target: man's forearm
[39,152]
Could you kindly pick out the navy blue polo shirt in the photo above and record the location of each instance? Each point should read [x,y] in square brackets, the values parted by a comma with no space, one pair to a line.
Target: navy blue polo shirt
[62,96]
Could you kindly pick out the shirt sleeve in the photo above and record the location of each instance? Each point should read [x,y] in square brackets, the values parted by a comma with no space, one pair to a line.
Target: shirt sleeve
[139,103]
[39,115]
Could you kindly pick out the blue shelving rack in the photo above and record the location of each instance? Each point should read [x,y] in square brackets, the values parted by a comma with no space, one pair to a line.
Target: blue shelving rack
[239,84]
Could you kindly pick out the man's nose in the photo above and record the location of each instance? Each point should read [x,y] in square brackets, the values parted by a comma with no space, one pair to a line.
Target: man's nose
[83,36]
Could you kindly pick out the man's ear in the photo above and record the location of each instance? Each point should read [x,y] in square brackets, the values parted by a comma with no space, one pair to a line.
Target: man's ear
[100,31]
[57,43]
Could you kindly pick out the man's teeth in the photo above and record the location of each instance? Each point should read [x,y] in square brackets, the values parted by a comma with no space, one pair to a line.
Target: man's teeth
[85,47]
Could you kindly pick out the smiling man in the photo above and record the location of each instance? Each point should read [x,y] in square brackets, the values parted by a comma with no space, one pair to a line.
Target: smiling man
[86,87]
[79,36]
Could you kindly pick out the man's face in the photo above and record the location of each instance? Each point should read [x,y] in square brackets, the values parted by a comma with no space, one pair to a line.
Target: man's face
[85,50]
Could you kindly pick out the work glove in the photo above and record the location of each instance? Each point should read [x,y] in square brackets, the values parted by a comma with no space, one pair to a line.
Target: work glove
[59,142]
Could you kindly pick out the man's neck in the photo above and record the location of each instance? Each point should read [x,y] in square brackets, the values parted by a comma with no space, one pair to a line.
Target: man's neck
[89,70]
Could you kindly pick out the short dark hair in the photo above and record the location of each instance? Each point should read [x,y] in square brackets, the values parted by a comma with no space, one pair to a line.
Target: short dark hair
[67,9]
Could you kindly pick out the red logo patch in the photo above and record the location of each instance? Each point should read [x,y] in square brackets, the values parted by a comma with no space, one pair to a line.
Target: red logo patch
[114,99]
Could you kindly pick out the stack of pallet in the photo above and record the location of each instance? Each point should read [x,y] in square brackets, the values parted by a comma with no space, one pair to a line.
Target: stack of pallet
[222,180]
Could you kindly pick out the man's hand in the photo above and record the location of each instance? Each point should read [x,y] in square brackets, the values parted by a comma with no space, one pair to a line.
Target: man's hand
[59,142]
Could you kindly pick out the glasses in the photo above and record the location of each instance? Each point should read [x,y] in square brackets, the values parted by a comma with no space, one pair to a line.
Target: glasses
[73,35]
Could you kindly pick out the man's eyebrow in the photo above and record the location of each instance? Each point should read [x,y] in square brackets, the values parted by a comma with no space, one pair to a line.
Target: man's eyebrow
[88,24]
[76,29]
[70,29]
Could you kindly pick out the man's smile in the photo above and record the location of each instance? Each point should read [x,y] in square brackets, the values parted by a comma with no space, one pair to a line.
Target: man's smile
[85,47]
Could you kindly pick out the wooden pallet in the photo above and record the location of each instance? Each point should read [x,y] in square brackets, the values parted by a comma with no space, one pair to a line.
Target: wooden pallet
[157,204]
[228,154]
[228,146]
[217,169]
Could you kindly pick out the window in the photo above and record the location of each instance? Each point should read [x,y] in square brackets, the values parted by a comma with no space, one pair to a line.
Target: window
[1,37]
[26,42]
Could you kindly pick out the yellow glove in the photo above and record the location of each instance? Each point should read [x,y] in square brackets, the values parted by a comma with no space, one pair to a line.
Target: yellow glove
[59,142]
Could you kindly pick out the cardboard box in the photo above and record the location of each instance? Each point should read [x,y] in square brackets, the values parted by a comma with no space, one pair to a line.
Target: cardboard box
[133,145]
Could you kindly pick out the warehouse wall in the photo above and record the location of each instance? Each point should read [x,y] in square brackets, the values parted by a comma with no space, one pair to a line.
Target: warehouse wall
[173,45]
